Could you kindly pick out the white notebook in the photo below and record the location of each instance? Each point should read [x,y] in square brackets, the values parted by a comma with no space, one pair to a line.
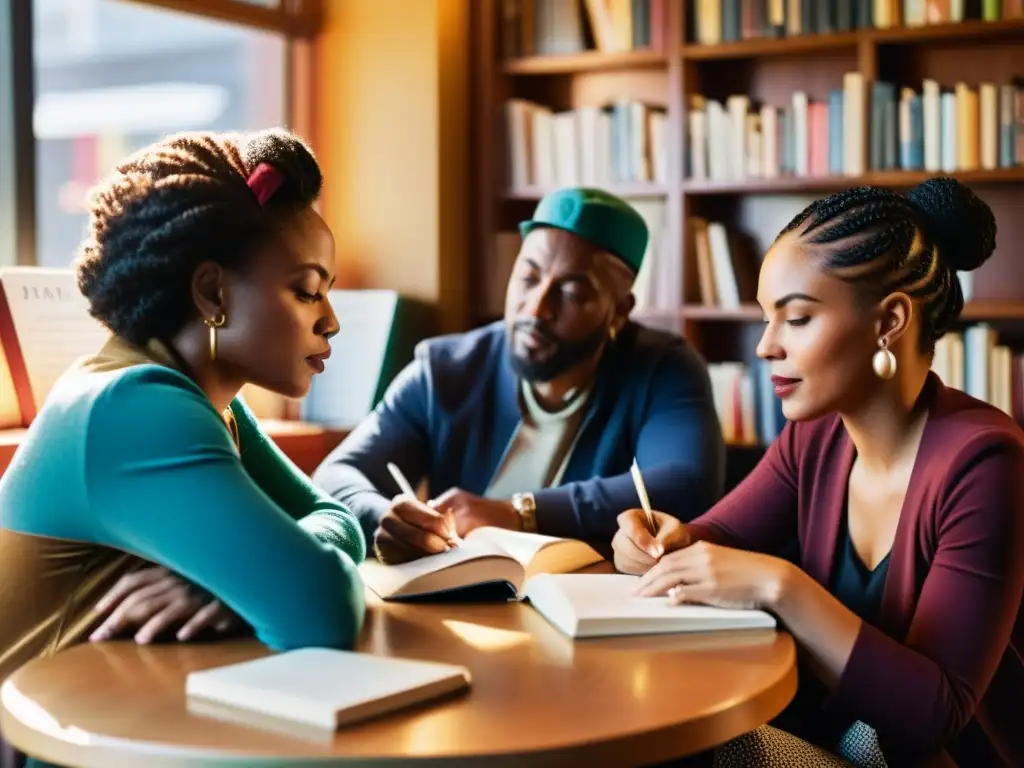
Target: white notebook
[600,605]
[487,557]
[324,688]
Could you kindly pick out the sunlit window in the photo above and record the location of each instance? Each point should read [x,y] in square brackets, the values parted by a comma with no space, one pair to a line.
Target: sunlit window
[112,76]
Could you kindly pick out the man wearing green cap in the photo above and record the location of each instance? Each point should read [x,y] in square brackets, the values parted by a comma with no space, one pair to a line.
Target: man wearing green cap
[533,423]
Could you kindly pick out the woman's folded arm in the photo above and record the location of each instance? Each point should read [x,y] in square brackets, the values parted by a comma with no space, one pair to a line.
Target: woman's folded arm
[167,484]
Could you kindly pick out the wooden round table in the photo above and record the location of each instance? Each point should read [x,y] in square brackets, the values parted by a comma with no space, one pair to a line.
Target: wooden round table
[536,697]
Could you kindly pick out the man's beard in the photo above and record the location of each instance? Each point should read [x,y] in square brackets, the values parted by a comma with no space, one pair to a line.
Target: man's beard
[565,355]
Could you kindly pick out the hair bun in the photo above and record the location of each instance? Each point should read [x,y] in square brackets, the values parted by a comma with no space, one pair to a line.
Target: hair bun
[960,222]
[290,155]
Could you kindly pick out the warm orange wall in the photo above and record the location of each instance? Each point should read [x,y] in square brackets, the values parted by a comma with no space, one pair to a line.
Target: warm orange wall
[391,134]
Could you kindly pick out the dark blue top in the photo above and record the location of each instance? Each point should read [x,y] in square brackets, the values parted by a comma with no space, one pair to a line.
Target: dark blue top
[857,587]
[449,415]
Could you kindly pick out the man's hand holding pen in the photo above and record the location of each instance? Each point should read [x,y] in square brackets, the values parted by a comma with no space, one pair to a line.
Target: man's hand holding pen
[636,550]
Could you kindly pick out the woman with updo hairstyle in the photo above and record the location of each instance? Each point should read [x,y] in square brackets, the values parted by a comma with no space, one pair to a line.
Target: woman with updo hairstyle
[145,496]
[906,498]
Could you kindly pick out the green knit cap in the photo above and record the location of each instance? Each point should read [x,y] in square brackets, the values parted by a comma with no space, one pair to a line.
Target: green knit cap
[603,219]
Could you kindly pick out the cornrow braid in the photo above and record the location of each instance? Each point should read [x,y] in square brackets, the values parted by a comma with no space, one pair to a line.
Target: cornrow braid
[174,204]
[914,243]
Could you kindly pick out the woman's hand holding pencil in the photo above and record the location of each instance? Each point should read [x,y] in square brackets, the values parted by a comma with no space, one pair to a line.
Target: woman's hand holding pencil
[645,534]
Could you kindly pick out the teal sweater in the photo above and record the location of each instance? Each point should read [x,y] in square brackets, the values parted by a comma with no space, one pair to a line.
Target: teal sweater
[136,459]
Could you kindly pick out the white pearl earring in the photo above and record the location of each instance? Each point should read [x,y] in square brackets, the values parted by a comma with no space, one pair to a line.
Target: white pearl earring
[884,361]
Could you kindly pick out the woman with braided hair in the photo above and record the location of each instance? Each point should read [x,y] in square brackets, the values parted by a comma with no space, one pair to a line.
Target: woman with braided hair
[906,498]
[144,468]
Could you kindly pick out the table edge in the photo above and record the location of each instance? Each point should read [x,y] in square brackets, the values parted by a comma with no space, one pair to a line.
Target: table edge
[700,734]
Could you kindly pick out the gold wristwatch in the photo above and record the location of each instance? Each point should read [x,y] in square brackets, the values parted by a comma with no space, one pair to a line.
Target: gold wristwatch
[526,506]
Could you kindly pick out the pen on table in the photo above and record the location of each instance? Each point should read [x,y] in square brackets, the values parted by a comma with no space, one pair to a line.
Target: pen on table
[641,491]
[406,488]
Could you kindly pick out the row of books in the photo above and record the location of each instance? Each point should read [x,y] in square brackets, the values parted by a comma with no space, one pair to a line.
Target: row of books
[962,128]
[594,146]
[748,410]
[958,128]
[652,287]
[975,362]
[718,21]
[715,250]
[726,260]
[735,141]
[972,361]
[559,27]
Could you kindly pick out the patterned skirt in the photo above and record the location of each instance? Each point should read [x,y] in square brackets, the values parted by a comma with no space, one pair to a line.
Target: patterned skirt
[770,747]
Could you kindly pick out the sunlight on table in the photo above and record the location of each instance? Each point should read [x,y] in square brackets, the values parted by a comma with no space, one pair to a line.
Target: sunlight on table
[486,638]
[37,718]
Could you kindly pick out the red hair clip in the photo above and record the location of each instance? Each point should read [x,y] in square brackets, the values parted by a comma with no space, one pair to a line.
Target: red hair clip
[264,182]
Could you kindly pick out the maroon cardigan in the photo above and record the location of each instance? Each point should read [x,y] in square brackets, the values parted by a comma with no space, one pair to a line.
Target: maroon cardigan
[943,668]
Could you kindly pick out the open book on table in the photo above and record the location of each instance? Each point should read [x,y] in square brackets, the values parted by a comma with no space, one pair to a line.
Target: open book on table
[603,605]
[491,562]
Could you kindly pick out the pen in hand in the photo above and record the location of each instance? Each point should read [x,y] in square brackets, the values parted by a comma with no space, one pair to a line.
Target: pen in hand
[403,484]
[641,491]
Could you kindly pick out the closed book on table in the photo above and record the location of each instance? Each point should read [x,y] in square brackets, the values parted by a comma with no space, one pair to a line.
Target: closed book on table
[322,688]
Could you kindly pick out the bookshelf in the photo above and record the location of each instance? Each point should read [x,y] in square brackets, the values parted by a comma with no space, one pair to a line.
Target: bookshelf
[555,60]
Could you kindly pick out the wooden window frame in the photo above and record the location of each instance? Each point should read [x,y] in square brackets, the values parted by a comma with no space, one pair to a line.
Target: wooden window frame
[298,21]
[17,140]
[293,18]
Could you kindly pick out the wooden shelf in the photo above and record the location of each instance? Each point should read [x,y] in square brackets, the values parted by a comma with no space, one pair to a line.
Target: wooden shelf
[700,312]
[896,179]
[788,46]
[777,184]
[743,313]
[588,61]
[993,310]
[639,189]
[593,61]
[974,311]
[913,178]
[764,47]
[966,30]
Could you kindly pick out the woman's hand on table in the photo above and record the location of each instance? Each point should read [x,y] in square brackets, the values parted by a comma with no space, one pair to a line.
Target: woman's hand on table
[711,574]
[636,549]
[152,601]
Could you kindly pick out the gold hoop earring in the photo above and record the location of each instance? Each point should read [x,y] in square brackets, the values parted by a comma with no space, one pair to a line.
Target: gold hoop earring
[213,324]
[884,361]
[612,333]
